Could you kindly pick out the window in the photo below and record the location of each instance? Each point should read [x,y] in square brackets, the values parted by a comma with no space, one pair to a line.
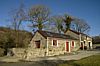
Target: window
[54,43]
[72,43]
[37,43]
[84,41]
[89,45]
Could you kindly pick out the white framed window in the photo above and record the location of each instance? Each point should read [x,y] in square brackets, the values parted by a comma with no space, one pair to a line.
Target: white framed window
[54,42]
[73,43]
[84,41]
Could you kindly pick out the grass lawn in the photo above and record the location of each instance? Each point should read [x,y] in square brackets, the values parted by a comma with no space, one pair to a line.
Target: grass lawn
[88,61]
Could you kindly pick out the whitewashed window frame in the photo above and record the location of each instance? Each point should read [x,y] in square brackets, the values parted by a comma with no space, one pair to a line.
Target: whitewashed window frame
[57,42]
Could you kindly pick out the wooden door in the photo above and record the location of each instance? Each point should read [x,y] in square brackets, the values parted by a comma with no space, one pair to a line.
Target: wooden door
[67,46]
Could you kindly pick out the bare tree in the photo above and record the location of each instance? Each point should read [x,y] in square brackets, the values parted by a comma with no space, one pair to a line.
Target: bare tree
[66,23]
[56,21]
[61,23]
[18,15]
[81,25]
[38,15]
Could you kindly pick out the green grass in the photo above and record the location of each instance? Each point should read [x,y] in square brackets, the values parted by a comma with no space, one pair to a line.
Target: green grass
[89,61]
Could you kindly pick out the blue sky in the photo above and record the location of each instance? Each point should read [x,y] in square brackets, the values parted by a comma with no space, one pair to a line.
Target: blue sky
[88,10]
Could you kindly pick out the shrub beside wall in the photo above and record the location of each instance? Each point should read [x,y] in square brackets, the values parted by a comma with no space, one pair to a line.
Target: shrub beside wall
[1,52]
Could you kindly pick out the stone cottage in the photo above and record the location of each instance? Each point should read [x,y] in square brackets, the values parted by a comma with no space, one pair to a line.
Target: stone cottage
[85,40]
[46,43]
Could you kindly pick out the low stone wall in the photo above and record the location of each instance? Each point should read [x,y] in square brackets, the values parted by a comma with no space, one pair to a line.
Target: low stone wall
[34,53]
[27,53]
[18,52]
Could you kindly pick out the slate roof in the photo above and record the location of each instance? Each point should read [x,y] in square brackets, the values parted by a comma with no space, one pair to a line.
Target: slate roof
[46,34]
[79,33]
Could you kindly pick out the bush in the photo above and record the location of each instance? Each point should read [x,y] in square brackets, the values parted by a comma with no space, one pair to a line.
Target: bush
[1,52]
[10,38]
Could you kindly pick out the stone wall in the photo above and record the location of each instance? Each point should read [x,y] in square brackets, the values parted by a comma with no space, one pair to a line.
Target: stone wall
[60,49]
[77,46]
[72,34]
[37,37]
[27,53]
[35,52]
[84,37]
[18,52]
[56,50]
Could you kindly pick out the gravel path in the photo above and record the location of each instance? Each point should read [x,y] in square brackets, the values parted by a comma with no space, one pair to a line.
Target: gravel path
[80,55]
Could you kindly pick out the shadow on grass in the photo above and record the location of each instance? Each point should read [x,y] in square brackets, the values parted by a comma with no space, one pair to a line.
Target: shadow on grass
[35,63]
[41,63]
[69,63]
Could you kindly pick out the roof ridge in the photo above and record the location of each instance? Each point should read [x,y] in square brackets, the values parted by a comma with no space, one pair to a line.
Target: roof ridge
[46,31]
[78,32]
[55,35]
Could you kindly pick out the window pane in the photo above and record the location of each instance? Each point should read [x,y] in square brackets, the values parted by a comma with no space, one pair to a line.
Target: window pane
[55,42]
